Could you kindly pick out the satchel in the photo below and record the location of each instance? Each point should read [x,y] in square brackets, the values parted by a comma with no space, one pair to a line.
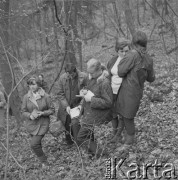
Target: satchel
[56,128]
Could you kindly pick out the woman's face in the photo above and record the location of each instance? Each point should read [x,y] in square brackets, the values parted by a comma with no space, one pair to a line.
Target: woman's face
[123,52]
[33,86]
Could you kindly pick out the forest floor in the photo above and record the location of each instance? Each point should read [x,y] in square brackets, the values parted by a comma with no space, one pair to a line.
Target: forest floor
[156,134]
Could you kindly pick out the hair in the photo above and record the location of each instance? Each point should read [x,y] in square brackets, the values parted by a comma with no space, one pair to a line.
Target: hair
[33,80]
[139,39]
[121,44]
[94,64]
[69,67]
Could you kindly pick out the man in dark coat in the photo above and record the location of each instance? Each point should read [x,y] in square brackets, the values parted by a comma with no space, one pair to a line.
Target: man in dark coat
[97,106]
[70,83]
[135,68]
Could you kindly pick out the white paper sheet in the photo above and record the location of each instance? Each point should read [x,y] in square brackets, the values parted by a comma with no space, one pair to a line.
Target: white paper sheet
[75,112]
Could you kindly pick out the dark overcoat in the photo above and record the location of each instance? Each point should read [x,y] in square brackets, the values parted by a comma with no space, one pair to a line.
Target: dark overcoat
[40,125]
[99,110]
[64,93]
[135,68]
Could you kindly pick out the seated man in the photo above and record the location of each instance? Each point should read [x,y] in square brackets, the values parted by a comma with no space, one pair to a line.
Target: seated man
[97,106]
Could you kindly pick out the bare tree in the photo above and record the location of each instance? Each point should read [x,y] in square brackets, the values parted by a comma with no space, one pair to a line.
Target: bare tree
[129,17]
[6,70]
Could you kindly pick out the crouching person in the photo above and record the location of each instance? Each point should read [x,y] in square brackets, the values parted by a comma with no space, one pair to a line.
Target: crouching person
[36,109]
[97,106]
[70,83]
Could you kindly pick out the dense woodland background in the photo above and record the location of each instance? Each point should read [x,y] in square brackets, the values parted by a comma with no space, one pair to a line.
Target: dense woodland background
[40,36]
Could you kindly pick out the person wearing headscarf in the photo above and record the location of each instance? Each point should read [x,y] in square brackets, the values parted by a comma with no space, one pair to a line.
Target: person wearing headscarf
[36,109]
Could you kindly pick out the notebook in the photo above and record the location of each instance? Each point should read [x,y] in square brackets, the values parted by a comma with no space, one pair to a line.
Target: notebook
[74,112]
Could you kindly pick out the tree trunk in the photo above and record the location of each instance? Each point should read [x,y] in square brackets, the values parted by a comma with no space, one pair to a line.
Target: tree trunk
[166,7]
[7,77]
[129,17]
[154,10]
[70,56]
[144,9]
[138,13]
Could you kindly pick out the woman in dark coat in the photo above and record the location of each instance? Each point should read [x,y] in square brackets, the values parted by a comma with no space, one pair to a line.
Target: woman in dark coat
[122,47]
[135,68]
[36,109]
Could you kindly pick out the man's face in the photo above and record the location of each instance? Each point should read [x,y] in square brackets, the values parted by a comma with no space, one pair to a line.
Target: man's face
[91,71]
[72,75]
[40,77]
[123,52]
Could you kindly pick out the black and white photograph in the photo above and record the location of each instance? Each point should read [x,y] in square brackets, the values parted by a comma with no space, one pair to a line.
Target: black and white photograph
[88,89]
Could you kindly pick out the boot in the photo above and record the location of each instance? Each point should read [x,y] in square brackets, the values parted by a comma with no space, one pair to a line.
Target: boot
[98,152]
[118,135]
[114,125]
[129,139]
[75,129]
[127,145]
[44,162]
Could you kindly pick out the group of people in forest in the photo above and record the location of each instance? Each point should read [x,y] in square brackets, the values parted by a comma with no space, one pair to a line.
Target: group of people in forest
[102,94]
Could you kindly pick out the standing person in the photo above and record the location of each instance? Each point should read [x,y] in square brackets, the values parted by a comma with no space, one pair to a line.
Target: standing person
[44,84]
[122,47]
[135,68]
[36,109]
[70,83]
[97,106]
[2,108]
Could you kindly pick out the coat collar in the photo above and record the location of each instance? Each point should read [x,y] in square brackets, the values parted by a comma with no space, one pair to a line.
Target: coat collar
[31,97]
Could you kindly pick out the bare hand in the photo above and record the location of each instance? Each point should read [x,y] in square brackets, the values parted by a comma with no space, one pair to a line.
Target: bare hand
[103,76]
[32,117]
[40,113]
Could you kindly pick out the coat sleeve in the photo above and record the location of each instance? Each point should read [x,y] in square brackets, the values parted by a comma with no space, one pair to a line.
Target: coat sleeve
[2,100]
[61,95]
[125,65]
[105,101]
[50,106]
[24,110]
[151,73]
